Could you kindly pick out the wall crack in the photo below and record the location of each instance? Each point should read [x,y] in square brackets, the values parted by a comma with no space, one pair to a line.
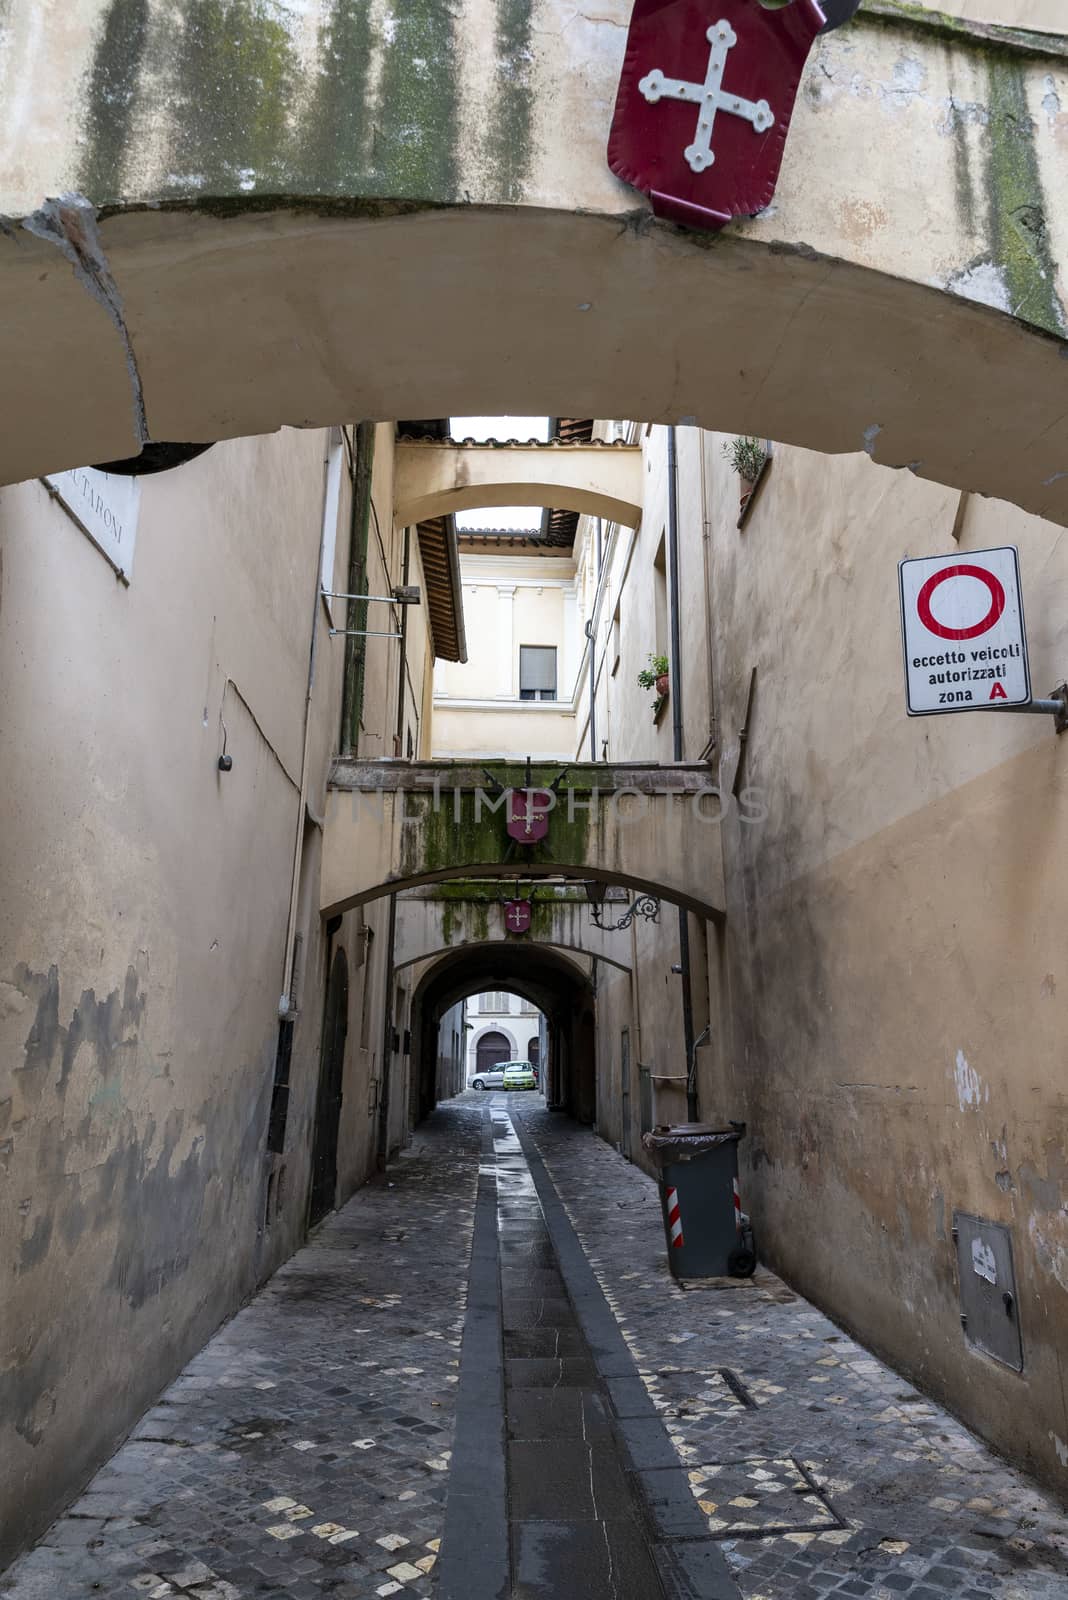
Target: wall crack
[70,223]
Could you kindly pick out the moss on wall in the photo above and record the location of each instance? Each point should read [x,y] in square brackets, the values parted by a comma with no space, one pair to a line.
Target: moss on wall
[1016,203]
[416,120]
[449,835]
[233,72]
[111,97]
[513,106]
[334,137]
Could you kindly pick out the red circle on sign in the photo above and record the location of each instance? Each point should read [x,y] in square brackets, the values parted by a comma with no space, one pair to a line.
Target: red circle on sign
[927,616]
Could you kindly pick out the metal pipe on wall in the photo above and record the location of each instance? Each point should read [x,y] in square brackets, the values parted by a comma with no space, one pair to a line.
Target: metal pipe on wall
[398,747]
[677,740]
[361,467]
[593,692]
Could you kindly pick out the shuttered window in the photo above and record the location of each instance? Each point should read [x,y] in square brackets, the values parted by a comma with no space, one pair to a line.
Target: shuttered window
[537,672]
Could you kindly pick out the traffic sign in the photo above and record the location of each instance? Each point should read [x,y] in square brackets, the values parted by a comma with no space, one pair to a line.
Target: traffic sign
[962,630]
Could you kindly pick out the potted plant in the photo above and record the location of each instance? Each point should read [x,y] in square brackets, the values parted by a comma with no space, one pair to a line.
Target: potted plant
[747,457]
[655,676]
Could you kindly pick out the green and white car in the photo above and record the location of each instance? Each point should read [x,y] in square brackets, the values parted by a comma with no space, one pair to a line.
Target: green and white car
[506,1075]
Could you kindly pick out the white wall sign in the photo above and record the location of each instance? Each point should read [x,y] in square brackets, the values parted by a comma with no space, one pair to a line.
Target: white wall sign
[962,629]
[105,506]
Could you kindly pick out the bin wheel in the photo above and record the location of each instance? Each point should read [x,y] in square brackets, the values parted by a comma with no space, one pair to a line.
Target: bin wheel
[741,1263]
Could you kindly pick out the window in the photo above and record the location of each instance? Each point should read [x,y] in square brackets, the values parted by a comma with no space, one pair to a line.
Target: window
[537,672]
[494,1002]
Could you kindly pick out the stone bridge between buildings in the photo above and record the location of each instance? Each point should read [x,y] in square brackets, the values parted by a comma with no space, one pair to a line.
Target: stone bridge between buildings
[436,478]
[653,829]
[221,219]
[446,917]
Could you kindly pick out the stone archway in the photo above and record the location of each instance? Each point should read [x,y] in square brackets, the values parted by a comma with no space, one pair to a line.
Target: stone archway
[555,983]
[195,279]
[493,1046]
[650,828]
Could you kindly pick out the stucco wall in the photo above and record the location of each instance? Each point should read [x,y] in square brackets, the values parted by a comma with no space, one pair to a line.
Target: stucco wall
[895,929]
[143,931]
[144,905]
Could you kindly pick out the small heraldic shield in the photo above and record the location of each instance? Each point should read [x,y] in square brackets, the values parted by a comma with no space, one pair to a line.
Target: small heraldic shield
[517,915]
[705,101]
[528,815]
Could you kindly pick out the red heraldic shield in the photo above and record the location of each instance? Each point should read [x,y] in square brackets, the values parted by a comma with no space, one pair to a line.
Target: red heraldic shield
[705,101]
[528,815]
[517,915]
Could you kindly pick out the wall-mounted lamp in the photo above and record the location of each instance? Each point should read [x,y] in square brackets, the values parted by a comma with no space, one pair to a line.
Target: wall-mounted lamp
[646,905]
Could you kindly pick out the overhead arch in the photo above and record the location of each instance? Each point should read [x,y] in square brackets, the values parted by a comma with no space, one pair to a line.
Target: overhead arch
[428,926]
[649,828]
[204,279]
[437,478]
[549,980]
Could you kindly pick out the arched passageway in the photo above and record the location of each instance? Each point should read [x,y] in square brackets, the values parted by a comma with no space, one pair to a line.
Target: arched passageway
[200,278]
[556,984]
[645,827]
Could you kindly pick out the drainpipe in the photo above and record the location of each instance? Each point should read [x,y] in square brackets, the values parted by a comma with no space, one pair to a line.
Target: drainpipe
[706,544]
[382,1151]
[593,693]
[676,745]
[359,532]
[288,998]
[399,742]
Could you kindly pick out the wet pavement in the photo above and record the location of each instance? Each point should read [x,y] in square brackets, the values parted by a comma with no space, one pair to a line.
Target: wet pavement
[479,1380]
[821,1471]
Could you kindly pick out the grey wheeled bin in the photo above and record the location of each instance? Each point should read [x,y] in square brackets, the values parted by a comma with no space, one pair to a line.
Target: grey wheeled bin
[708,1235]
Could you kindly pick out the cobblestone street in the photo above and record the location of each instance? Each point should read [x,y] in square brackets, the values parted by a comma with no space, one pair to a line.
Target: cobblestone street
[307,1450]
[822,1470]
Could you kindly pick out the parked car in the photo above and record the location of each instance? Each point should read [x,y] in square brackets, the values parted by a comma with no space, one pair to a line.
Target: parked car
[490,1077]
[506,1075]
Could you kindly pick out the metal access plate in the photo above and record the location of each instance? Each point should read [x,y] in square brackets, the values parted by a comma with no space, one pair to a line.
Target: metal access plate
[988,1301]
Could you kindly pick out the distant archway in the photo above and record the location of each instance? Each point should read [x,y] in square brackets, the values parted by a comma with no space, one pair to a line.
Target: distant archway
[491,1049]
[553,982]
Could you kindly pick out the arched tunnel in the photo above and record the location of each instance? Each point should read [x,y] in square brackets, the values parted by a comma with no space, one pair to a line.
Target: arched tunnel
[553,982]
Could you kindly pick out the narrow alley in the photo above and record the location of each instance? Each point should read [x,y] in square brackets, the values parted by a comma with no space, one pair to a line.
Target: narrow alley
[477,1378]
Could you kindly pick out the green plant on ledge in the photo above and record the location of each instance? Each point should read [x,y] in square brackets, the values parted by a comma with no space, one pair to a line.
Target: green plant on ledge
[655,675]
[746,455]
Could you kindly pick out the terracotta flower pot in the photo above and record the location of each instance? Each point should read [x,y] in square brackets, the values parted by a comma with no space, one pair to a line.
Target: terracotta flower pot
[745,489]
[662,683]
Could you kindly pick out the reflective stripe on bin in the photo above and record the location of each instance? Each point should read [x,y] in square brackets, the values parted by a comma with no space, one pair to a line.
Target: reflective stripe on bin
[674,1219]
[737,1207]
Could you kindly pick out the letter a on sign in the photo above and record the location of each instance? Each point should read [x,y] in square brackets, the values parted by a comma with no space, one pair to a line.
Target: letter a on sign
[704,103]
[962,628]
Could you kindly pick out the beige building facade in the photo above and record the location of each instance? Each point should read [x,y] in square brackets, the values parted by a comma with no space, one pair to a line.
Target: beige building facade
[880,999]
[194,1064]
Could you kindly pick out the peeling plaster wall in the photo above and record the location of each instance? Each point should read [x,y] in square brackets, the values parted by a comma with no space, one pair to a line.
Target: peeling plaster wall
[142,938]
[894,934]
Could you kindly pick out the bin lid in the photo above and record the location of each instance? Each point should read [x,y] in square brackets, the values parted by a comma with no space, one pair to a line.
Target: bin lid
[689,1138]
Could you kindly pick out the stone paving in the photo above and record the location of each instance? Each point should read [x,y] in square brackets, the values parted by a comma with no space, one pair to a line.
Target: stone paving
[823,1472]
[305,1451]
